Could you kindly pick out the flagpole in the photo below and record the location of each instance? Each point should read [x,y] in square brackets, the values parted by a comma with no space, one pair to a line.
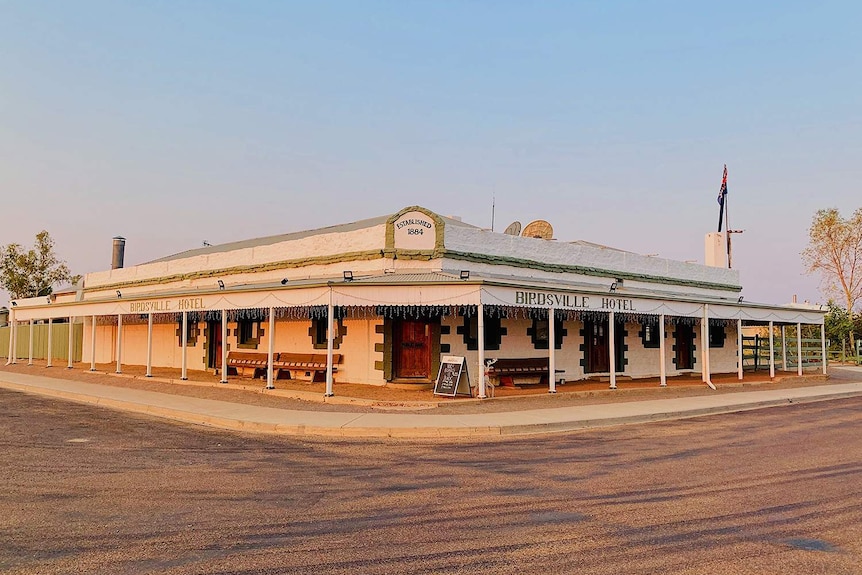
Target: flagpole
[727,224]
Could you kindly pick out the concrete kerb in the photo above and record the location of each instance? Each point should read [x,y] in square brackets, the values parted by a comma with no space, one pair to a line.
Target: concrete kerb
[254,419]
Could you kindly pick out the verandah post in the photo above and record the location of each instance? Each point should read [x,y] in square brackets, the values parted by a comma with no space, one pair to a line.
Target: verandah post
[185,372]
[480,338]
[661,352]
[799,349]
[771,350]
[50,341]
[269,384]
[612,349]
[552,345]
[150,344]
[119,343]
[93,343]
[330,343]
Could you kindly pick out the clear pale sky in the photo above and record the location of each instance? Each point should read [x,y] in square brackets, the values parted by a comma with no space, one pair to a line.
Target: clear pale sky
[173,122]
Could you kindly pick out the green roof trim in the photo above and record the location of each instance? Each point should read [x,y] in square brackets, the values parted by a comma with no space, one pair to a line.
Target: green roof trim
[271,266]
[589,271]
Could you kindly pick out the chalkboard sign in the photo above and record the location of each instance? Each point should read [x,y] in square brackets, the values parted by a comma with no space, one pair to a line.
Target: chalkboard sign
[453,379]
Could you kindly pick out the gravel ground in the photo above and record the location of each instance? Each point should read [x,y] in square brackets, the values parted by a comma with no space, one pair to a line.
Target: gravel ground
[86,490]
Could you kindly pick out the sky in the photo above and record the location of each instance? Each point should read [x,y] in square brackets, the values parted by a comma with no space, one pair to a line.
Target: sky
[176,122]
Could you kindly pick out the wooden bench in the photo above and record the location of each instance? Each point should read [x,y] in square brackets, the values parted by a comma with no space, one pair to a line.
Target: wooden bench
[508,369]
[312,364]
[284,365]
[246,363]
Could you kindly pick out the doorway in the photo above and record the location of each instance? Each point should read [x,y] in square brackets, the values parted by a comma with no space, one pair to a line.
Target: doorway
[214,344]
[411,351]
[597,350]
[684,345]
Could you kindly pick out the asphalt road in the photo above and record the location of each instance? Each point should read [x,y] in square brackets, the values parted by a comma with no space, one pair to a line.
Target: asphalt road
[89,490]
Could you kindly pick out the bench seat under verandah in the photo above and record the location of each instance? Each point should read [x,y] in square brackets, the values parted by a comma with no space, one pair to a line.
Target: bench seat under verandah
[510,371]
[285,365]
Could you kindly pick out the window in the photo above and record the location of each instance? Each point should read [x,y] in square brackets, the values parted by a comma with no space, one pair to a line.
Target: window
[494,332]
[717,336]
[650,335]
[539,333]
[191,332]
[248,333]
[317,331]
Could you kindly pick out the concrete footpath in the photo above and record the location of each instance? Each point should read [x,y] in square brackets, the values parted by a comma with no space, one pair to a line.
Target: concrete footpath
[251,418]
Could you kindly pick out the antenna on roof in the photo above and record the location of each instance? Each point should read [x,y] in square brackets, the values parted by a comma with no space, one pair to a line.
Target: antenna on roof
[514,229]
[493,205]
[538,229]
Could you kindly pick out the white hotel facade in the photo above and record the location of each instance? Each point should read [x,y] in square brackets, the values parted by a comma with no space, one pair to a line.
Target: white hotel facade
[390,295]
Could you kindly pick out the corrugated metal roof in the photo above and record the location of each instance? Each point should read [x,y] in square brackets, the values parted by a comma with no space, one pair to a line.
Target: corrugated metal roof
[402,278]
[269,240]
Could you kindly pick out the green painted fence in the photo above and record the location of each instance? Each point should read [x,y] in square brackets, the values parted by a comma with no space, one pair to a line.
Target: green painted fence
[755,353]
[59,341]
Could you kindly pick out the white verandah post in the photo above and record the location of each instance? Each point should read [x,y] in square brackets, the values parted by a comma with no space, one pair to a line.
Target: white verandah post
[704,344]
[661,351]
[823,343]
[93,343]
[14,338]
[50,342]
[612,348]
[798,349]
[783,348]
[771,350]
[223,346]
[30,344]
[11,337]
[330,343]
[185,373]
[739,348]
[706,365]
[119,343]
[552,350]
[269,384]
[71,340]
[150,344]
[480,340]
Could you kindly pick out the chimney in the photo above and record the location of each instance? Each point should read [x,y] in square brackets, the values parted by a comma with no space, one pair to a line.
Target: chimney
[119,252]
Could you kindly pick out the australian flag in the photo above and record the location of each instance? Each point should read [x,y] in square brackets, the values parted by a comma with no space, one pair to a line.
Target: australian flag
[722,195]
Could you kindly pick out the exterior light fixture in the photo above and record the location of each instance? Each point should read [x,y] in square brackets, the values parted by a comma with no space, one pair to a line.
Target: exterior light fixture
[119,294]
[614,286]
[740,299]
[14,304]
[49,299]
[465,274]
[348,276]
[284,281]
[220,284]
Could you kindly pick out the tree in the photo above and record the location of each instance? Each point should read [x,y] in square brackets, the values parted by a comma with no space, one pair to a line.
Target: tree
[838,324]
[835,251]
[34,272]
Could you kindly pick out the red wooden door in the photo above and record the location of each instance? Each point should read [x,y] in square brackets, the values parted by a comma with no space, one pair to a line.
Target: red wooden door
[684,336]
[214,344]
[596,340]
[412,349]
